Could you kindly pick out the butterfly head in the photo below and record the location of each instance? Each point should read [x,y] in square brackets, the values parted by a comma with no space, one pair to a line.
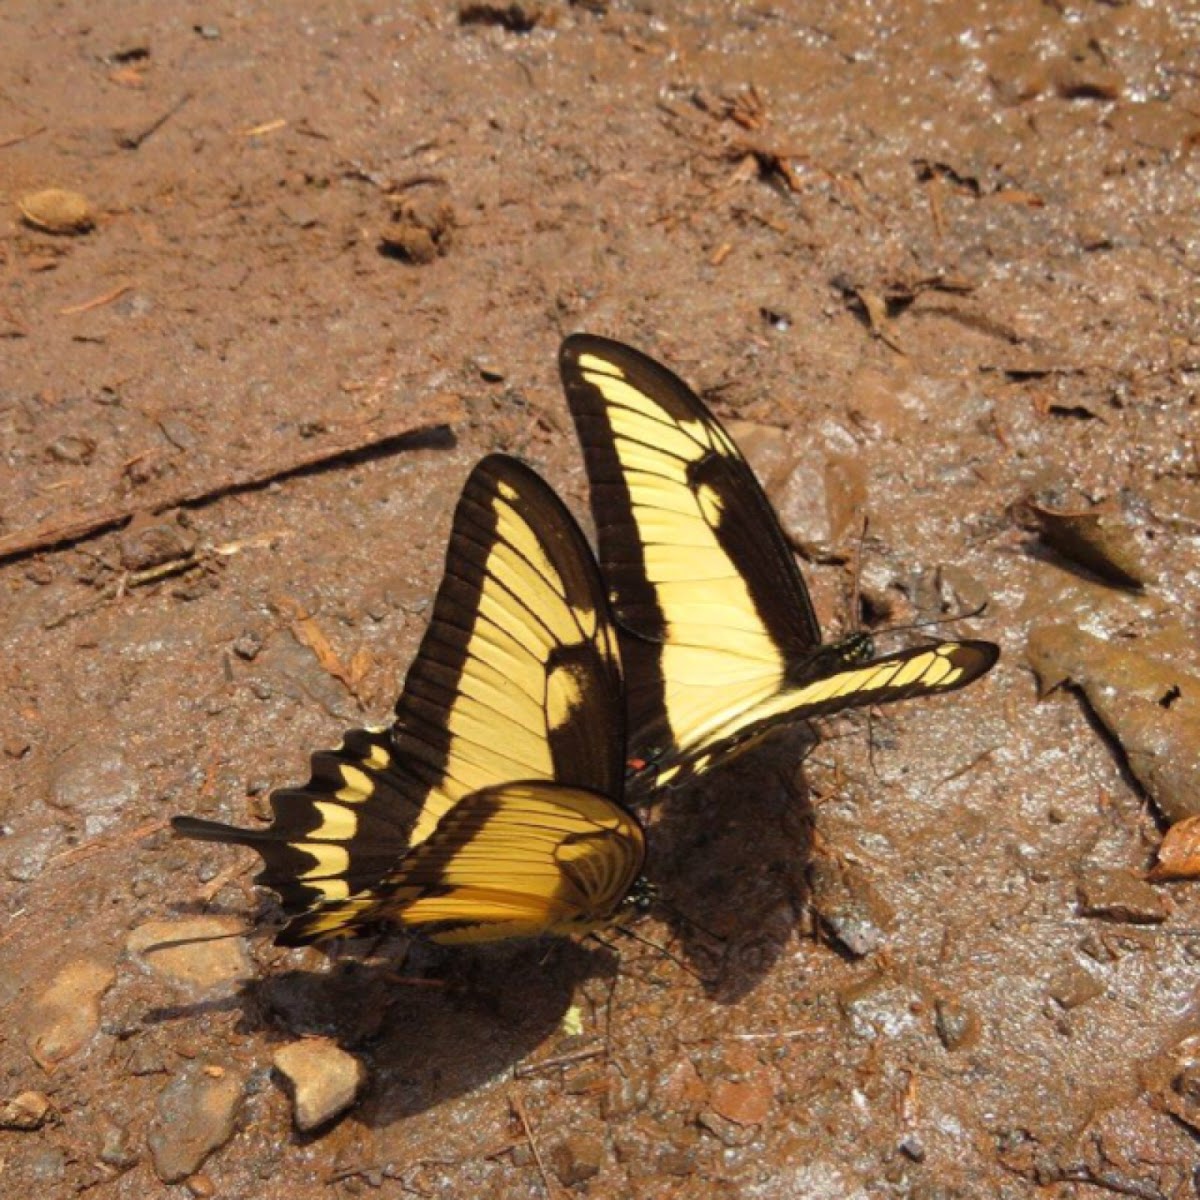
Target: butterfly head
[855,648]
[642,895]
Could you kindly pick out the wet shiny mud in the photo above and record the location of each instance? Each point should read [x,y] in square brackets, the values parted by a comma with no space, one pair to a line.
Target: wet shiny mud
[935,266]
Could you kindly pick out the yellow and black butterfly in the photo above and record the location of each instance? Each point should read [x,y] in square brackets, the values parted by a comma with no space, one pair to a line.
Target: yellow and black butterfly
[488,809]
[719,637]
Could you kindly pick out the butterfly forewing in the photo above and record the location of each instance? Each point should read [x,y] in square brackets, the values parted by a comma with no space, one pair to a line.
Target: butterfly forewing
[518,677]
[697,566]
[721,642]
[518,649]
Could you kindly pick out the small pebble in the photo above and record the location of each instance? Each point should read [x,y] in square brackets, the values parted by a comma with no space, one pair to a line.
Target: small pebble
[55,210]
[47,1165]
[878,1005]
[1118,895]
[957,1025]
[16,746]
[67,1014]
[179,434]
[578,1158]
[151,542]
[849,907]
[210,967]
[744,1102]
[248,645]
[196,1113]
[324,1080]
[116,1149]
[24,855]
[72,449]
[727,1132]
[24,1112]
[488,372]
[89,778]
[1074,985]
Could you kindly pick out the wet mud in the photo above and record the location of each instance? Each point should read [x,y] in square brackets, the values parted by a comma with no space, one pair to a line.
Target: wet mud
[273,277]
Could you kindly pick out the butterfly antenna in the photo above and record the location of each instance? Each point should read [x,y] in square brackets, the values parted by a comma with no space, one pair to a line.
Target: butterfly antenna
[977,611]
[856,583]
[637,937]
[682,916]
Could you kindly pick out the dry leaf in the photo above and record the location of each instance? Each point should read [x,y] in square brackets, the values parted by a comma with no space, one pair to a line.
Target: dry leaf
[1179,854]
[308,633]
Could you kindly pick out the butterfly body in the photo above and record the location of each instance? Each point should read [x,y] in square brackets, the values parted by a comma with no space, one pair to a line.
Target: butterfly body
[721,642]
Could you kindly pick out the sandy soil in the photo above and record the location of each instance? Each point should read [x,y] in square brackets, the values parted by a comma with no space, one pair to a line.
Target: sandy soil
[933,259]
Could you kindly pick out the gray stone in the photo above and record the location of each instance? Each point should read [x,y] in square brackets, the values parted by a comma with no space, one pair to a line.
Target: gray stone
[849,906]
[197,1112]
[94,783]
[25,854]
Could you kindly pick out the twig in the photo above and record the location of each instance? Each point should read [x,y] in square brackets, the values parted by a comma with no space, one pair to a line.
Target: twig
[97,302]
[562,1060]
[518,1106]
[121,838]
[963,770]
[176,566]
[18,138]
[267,127]
[388,1171]
[771,1035]
[131,141]
[309,633]
[64,531]
[12,925]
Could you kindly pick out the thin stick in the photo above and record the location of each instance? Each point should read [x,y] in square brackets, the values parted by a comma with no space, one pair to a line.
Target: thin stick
[65,531]
[131,141]
[267,127]
[562,1060]
[963,770]
[121,838]
[518,1107]
[97,302]
[18,138]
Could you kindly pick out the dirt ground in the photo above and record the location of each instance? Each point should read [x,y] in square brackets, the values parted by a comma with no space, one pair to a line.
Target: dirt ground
[931,259]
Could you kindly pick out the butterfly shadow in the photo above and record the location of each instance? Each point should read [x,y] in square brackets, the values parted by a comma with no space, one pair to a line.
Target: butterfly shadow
[729,856]
[433,1022]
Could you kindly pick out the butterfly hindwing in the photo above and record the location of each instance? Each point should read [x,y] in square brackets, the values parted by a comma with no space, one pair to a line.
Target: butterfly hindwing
[517,678]
[721,642]
[336,834]
[515,860]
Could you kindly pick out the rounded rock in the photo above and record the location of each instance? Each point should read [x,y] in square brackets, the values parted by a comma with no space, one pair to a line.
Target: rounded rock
[324,1080]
